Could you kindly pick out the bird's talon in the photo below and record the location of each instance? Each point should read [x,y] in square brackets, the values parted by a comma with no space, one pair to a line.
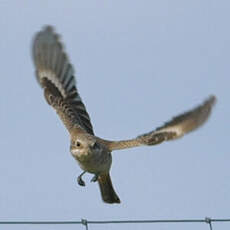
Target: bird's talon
[94,179]
[80,181]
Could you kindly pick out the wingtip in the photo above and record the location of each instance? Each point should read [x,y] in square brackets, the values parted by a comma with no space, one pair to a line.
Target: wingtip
[212,100]
[47,31]
[48,28]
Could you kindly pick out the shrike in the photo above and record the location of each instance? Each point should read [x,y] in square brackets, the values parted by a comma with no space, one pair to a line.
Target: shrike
[56,76]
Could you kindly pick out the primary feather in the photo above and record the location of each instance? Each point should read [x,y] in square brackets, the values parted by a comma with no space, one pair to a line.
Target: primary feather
[173,129]
[56,75]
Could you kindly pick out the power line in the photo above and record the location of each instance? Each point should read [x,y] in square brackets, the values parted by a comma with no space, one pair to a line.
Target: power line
[86,222]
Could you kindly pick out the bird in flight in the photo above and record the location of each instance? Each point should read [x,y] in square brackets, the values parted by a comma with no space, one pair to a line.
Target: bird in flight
[55,75]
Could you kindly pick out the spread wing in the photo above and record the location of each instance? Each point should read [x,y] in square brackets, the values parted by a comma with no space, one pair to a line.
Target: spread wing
[173,129]
[56,76]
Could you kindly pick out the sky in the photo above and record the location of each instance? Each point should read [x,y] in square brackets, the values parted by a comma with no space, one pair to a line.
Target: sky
[137,64]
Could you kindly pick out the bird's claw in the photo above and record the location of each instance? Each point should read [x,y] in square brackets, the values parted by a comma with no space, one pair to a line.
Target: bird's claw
[80,181]
[94,179]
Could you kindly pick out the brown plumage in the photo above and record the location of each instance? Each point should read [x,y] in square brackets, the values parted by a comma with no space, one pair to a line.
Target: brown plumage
[55,74]
[107,192]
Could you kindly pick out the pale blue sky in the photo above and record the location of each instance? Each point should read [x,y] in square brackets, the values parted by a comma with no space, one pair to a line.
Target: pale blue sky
[138,63]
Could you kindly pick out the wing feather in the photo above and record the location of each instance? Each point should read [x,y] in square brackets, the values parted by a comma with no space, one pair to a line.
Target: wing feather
[171,130]
[56,75]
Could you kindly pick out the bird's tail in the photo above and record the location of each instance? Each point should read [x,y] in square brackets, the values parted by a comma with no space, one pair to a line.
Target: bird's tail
[107,191]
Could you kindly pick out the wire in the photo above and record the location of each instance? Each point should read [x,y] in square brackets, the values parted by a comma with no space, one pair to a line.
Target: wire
[86,222]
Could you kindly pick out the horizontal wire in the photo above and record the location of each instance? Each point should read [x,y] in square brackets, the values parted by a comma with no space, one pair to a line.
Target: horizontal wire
[85,222]
[41,222]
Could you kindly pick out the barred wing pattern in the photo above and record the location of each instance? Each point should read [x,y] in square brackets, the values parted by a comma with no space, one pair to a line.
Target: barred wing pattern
[173,129]
[56,75]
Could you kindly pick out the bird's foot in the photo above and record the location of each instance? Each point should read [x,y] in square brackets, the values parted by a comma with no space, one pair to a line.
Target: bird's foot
[95,178]
[79,179]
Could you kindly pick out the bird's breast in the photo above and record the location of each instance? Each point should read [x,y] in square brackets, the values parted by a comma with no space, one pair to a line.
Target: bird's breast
[92,161]
[79,155]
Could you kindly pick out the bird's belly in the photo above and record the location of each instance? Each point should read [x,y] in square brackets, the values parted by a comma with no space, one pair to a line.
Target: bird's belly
[95,164]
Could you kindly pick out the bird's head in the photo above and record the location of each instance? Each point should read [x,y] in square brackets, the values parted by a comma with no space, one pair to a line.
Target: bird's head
[84,145]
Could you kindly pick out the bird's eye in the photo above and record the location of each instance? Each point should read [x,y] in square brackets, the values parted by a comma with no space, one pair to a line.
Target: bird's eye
[78,144]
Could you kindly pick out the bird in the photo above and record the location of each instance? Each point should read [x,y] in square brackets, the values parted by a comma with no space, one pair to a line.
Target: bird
[55,74]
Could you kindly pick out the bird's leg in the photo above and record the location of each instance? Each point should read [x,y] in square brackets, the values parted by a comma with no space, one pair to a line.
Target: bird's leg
[94,179]
[79,179]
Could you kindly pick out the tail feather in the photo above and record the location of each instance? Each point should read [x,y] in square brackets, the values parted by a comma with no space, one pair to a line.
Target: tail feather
[107,191]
